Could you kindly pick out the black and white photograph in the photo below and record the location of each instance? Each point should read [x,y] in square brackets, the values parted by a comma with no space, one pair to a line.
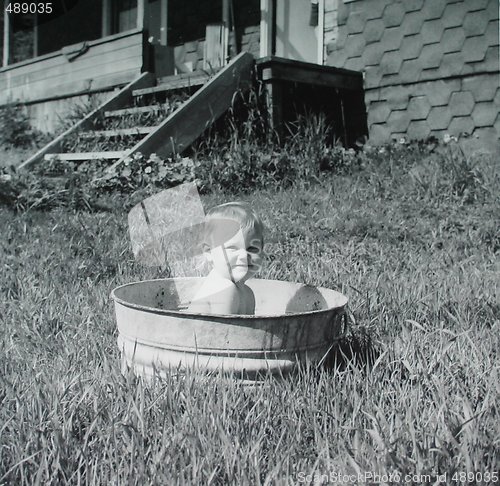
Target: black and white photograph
[249,242]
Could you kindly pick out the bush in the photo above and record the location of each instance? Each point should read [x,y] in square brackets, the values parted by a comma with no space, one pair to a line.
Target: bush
[245,159]
[15,127]
[25,191]
[90,185]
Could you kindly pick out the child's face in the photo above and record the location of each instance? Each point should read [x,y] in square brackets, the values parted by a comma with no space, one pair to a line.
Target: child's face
[239,258]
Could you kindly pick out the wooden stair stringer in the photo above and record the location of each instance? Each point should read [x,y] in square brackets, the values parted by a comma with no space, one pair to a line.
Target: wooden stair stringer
[119,100]
[182,127]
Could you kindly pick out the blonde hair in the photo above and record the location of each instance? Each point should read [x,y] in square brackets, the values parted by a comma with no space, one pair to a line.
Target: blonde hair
[224,221]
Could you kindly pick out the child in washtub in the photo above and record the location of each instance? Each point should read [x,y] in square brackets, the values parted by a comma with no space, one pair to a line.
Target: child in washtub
[233,242]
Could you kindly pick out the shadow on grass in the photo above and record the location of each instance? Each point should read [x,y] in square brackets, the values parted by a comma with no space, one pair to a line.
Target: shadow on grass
[357,350]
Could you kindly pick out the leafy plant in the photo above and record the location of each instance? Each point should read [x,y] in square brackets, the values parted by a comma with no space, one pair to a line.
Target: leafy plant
[15,127]
[139,171]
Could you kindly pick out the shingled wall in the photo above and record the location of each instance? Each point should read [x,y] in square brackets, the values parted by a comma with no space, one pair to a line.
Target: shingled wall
[431,66]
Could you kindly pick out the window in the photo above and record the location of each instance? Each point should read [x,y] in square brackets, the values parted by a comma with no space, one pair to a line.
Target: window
[71,22]
[124,15]
[187,20]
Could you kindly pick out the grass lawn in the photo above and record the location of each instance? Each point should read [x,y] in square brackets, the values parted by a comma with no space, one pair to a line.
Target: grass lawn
[418,257]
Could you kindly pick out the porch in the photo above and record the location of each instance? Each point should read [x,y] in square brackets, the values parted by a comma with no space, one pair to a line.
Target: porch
[297,88]
[181,41]
[52,62]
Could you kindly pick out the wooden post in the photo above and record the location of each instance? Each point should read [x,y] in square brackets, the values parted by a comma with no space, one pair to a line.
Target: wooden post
[142,14]
[275,106]
[226,21]
[35,35]
[106,18]
[164,22]
[321,32]
[6,35]
[266,28]
[148,52]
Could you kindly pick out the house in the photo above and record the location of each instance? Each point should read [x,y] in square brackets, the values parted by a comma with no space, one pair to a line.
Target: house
[415,67]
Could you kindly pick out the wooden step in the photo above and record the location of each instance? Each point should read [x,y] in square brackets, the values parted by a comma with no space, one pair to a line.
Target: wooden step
[169,85]
[137,110]
[118,132]
[119,100]
[183,126]
[200,73]
[87,155]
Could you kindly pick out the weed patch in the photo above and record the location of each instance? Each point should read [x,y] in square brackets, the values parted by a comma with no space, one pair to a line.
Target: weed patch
[16,130]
